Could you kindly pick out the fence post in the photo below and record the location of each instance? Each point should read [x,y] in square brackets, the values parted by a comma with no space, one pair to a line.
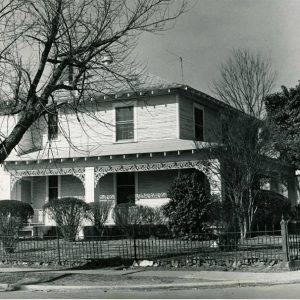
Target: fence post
[285,240]
[134,244]
[58,247]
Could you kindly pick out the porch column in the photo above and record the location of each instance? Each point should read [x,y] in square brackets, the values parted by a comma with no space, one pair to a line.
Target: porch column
[216,185]
[89,184]
[214,177]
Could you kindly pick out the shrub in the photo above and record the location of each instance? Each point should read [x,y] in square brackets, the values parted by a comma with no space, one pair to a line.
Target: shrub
[127,217]
[221,214]
[131,218]
[99,212]
[121,215]
[14,215]
[68,213]
[154,221]
[155,216]
[296,212]
[188,210]
[223,223]
[271,206]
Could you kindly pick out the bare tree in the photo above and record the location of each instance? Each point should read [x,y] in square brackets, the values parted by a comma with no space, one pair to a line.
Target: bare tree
[54,53]
[244,164]
[246,78]
[243,142]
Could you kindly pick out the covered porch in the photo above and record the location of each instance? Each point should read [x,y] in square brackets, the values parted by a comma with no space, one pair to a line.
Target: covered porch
[143,180]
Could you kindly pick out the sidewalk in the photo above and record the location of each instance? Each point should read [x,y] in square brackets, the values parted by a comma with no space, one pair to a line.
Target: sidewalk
[154,279]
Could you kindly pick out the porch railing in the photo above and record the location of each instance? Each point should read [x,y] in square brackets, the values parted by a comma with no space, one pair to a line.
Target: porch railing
[38,217]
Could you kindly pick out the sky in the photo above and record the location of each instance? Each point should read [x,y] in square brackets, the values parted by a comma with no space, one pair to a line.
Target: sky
[205,36]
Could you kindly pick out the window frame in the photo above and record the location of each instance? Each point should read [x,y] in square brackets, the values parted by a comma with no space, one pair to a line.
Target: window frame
[122,105]
[199,107]
[52,116]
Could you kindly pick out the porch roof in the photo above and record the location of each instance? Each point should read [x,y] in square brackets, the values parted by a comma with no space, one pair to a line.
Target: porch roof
[116,149]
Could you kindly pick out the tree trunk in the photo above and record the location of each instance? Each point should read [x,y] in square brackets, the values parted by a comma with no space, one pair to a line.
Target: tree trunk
[243,228]
[26,120]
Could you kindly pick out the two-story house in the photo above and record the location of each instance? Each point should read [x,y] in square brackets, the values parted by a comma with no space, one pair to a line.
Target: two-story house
[122,147]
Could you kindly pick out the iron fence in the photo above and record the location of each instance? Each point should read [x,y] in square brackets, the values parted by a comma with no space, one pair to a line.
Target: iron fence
[293,240]
[260,245]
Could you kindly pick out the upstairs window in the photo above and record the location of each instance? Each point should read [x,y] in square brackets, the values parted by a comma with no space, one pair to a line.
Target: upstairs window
[198,123]
[52,126]
[53,187]
[124,123]
[67,76]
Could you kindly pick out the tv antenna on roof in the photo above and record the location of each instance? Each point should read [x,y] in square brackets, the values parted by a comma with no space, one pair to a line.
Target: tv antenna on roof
[181,63]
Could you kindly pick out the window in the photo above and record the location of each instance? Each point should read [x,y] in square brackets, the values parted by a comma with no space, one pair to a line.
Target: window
[67,76]
[125,187]
[198,122]
[52,126]
[53,187]
[124,123]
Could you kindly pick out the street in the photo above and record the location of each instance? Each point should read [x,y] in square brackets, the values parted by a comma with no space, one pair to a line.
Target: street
[266,292]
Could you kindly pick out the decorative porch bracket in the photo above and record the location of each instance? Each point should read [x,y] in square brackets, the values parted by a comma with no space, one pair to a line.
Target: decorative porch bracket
[215,185]
[18,174]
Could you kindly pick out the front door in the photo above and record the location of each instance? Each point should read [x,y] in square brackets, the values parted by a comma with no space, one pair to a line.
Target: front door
[126,187]
[26,191]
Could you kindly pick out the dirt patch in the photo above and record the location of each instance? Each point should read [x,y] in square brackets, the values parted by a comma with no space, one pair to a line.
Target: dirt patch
[89,279]
[118,280]
[27,277]
[134,279]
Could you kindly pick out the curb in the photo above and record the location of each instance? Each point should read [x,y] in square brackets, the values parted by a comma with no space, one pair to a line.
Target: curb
[116,287]
[223,284]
